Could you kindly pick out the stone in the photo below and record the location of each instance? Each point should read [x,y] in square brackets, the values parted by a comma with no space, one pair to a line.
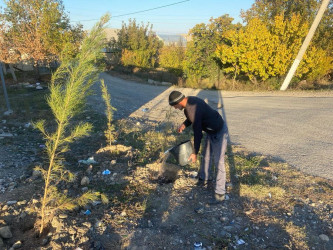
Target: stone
[23,215]
[199,210]
[229,229]
[63,216]
[6,135]
[22,202]
[45,241]
[85,181]
[87,224]
[95,203]
[34,201]
[324,237]
[5,232]
[83,239]
[99,224]
[89,169]
[17,245]
[82,230]
[72,231]
[224,219]
[36,174]
[11,202]
[56,223]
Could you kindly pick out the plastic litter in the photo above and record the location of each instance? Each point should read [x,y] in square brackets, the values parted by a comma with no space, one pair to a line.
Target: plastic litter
[6,135]
[145,109]
[89,161]
[8,112]
[197,245]
[182,152]
[240,242]
[95,203]
[87,212]
[106,172]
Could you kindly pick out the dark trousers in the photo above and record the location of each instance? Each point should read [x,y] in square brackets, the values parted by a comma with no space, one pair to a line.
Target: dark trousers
[214,151]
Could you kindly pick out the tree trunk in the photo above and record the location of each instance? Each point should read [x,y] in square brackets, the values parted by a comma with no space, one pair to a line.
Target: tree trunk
[36,70]
[3,65]
[12,72]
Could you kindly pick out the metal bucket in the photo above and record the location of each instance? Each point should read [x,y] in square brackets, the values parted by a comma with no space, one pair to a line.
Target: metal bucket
[182,152]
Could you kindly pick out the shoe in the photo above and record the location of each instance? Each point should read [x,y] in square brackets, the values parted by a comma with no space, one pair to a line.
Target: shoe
[217,199]
[203,183]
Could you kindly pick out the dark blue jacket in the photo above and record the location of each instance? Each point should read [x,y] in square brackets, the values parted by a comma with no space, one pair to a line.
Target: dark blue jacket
[203,118]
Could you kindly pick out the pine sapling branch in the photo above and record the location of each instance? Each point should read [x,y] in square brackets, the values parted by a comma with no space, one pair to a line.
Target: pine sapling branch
[110,132]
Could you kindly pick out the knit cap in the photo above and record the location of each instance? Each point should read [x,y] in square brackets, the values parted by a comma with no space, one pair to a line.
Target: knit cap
[175,97]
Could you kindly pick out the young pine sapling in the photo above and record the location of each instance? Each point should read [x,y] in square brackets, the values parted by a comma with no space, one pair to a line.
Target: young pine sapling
[68,90]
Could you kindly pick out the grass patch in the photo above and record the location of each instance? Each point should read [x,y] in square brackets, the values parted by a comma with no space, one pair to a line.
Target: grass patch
[25,102]
[298,236]
[261,192]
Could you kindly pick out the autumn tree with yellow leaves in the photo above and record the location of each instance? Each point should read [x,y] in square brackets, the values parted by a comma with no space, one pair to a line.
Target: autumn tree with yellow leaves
[37,31]
[171,57]
[260,51]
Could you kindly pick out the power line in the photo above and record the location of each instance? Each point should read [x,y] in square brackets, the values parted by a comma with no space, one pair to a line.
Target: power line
[141,11]
[160,7]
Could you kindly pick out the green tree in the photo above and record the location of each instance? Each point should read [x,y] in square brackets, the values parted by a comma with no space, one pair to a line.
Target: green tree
[171,57]
[68,90]
[200,61]
[37,30]
[139,45]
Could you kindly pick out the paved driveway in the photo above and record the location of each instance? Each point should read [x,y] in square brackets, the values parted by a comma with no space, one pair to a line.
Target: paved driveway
[294,127]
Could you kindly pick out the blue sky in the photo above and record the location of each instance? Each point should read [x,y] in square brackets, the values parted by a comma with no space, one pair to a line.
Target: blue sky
[177,18]
[173,19]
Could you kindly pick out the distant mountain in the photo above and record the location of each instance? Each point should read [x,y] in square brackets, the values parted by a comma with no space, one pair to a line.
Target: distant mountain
[172,39]
[167,39]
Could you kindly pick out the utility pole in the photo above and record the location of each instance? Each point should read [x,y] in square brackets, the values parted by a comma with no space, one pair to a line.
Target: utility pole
[305,44]
[9,111]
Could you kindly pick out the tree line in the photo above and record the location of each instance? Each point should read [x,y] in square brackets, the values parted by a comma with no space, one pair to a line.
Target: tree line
[258,51]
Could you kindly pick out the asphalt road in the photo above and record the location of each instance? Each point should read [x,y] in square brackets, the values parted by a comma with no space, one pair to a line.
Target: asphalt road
[291,126]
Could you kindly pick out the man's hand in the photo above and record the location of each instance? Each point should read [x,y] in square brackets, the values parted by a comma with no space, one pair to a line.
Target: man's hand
[192,158]
[181,128]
